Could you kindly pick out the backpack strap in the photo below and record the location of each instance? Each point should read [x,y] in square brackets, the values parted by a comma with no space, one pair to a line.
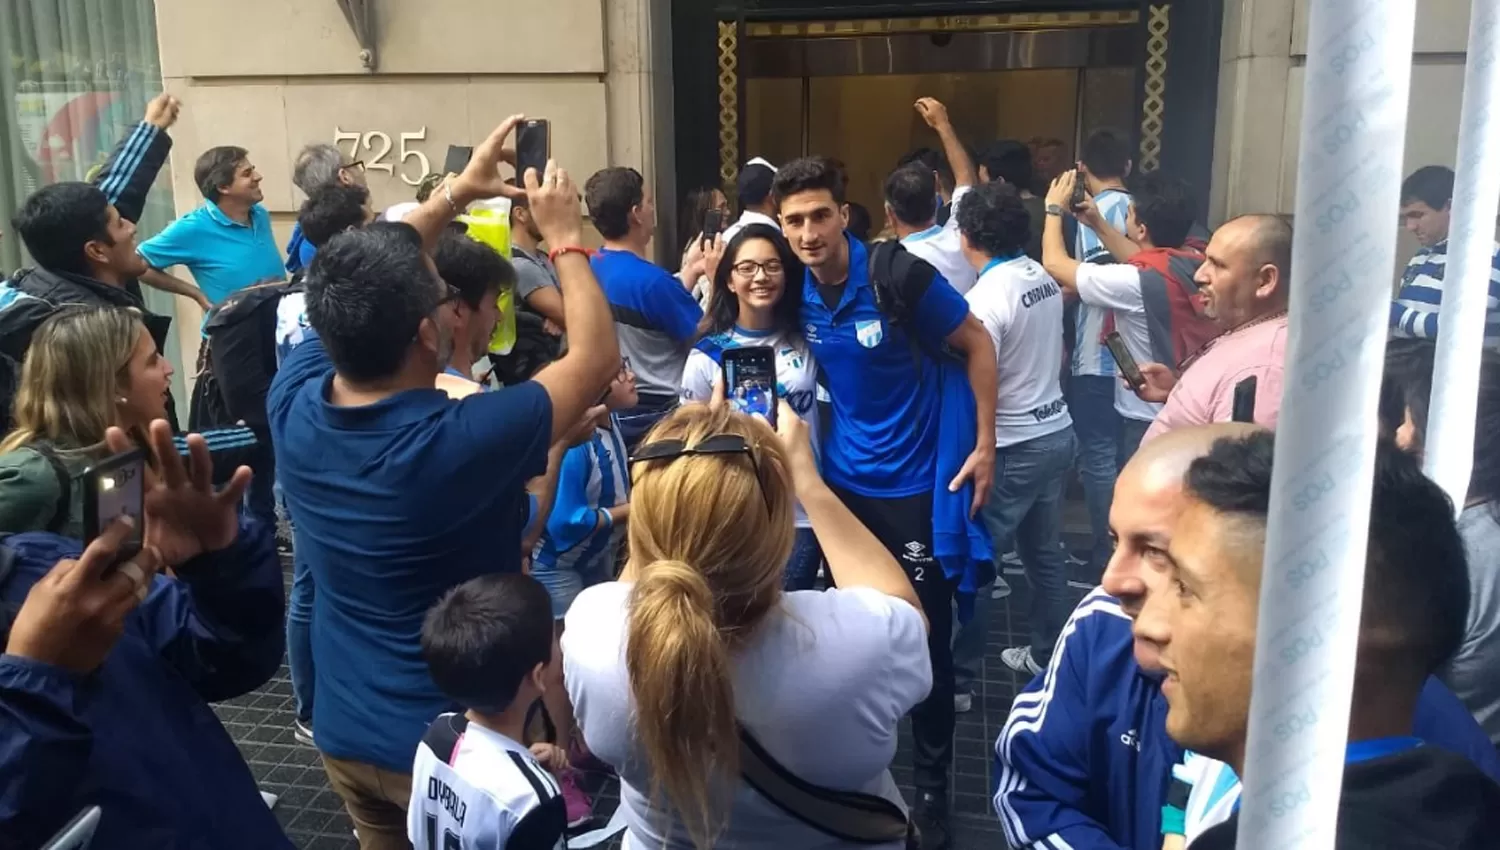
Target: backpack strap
[892,270]
[64,486]
[846,815]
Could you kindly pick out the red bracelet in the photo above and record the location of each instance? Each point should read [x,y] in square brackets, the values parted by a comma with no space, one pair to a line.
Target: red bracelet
[568,249]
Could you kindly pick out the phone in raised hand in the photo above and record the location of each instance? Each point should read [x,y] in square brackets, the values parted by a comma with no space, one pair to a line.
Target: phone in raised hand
[533,147]
[750,381]
[112,488]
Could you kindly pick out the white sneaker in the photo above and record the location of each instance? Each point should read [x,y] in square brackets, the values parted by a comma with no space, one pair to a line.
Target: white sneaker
[1011,558]
[1018,658]
[963,703]
[1002,588]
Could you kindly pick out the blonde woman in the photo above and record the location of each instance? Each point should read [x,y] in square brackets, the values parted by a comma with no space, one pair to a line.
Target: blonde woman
[698,635]
[87,368]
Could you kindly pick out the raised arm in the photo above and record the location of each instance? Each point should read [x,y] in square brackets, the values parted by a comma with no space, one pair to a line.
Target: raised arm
[480,180]
[936,115]
[1055,259]
[131,169]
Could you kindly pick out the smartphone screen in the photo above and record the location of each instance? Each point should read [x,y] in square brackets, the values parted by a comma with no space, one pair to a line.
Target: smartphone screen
[458,159]
[1080,189]
[114,487]
[713,224]
[750,381]
[1128,367]
[533,147]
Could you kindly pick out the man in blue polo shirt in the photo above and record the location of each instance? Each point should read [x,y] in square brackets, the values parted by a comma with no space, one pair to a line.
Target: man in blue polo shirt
[656,317]
[882,453]
[400,493]
[227,243]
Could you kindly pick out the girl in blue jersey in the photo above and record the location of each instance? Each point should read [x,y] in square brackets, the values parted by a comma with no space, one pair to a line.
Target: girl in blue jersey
[582,540]
[756,300]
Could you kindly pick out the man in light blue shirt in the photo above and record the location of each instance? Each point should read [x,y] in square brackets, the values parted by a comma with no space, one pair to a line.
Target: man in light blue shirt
[227,243]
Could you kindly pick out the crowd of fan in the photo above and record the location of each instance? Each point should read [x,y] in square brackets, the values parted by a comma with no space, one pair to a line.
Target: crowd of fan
[568,553]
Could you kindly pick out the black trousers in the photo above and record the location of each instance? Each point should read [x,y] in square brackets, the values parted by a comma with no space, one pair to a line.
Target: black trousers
[904,526]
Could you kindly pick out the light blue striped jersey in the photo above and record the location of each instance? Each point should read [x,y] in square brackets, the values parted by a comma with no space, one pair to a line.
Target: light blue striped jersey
[1414,313]
[580,535]
[1090,356]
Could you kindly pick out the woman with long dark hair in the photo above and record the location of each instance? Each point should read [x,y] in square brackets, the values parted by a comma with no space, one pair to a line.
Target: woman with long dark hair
[755,301]
[1405,397]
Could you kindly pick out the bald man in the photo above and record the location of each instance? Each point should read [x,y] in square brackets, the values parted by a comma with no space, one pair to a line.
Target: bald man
[1244,283]
[1084,760]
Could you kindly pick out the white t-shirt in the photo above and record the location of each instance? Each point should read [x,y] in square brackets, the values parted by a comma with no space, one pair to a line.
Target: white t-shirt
[1117,287]
[940,246]
[796,377]
[1022,308]
[822,683]
[483,789]
[747,218]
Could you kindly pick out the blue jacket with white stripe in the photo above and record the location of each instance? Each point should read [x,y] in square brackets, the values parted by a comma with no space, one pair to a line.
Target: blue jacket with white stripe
[1084,759]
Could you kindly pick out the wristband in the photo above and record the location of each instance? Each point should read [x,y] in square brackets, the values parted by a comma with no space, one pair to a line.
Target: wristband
[609,520]
[448,196]
[567,249]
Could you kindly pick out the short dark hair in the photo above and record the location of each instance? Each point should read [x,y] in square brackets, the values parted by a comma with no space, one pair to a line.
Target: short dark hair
[1432,185]
[1106,154]
[911,193]
[58,220]
[932,160]
[483,638]
[1009,160]
[332,208]
[368,291]
[611,194]
[1416,593]
[1407,385]
[994,220]
[809,174]
[215,168]
[475,269]
[754,184]
[1165,205]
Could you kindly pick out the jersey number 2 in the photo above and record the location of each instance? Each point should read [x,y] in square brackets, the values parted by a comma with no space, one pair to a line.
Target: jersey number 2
[451,841]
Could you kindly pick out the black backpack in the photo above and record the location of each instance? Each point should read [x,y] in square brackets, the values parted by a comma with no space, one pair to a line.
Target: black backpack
[237,359]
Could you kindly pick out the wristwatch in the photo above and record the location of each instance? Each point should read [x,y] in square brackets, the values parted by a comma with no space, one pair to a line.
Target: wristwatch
[1054,209]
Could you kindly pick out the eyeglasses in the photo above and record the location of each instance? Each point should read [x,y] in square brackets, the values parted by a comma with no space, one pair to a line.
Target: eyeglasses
[719,444]
[745,269]
[354,165]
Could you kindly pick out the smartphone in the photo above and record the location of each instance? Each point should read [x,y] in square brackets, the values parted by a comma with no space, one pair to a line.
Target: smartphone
[533,147]
[750,380]
[1080,188]
[713,224]
[457,159]
[78,833]
[1244,401]
[112,488]
[1128,367]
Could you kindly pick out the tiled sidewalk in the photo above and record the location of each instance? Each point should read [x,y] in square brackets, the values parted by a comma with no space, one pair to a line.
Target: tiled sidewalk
[261,723]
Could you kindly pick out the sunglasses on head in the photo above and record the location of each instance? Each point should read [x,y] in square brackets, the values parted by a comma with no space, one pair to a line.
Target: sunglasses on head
[719,444]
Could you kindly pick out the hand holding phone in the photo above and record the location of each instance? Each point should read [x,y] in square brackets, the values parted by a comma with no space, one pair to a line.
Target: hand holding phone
[1128,367]
[750,381]
[713,224]
[112,488]
[1080,189]
[458,158]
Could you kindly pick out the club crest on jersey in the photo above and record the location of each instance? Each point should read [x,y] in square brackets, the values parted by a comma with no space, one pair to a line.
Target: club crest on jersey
[869,332]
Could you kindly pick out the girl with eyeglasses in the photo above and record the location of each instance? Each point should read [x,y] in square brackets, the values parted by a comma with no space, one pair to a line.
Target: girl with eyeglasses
[755,300]
[697,638]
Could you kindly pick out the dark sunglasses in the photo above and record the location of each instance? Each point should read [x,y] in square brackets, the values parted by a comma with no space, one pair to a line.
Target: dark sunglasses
[719,444]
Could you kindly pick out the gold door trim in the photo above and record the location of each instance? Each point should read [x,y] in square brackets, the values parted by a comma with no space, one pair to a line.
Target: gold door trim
[1154,104]
[729,101]
[936,24]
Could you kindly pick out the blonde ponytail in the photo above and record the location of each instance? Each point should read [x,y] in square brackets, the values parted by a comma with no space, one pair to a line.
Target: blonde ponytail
[680,674]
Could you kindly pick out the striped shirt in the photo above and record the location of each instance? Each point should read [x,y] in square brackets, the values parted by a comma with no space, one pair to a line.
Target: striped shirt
[1090,356]
[1414,313]
[580,535]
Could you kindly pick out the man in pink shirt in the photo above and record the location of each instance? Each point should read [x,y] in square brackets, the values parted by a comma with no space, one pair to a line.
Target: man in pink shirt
[1244,280]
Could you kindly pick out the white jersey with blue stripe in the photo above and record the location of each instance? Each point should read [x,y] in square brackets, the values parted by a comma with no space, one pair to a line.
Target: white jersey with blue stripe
[580,536]
[1414,313]
[1090,356]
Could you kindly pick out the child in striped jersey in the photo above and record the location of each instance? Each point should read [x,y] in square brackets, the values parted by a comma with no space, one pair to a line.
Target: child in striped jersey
[491,647]
[587,522]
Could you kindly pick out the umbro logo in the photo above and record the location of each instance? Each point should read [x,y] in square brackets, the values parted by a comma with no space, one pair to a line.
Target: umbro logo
[915,549]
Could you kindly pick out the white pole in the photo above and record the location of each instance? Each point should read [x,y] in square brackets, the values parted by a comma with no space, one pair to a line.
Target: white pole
[1471,245]
[1348,182]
